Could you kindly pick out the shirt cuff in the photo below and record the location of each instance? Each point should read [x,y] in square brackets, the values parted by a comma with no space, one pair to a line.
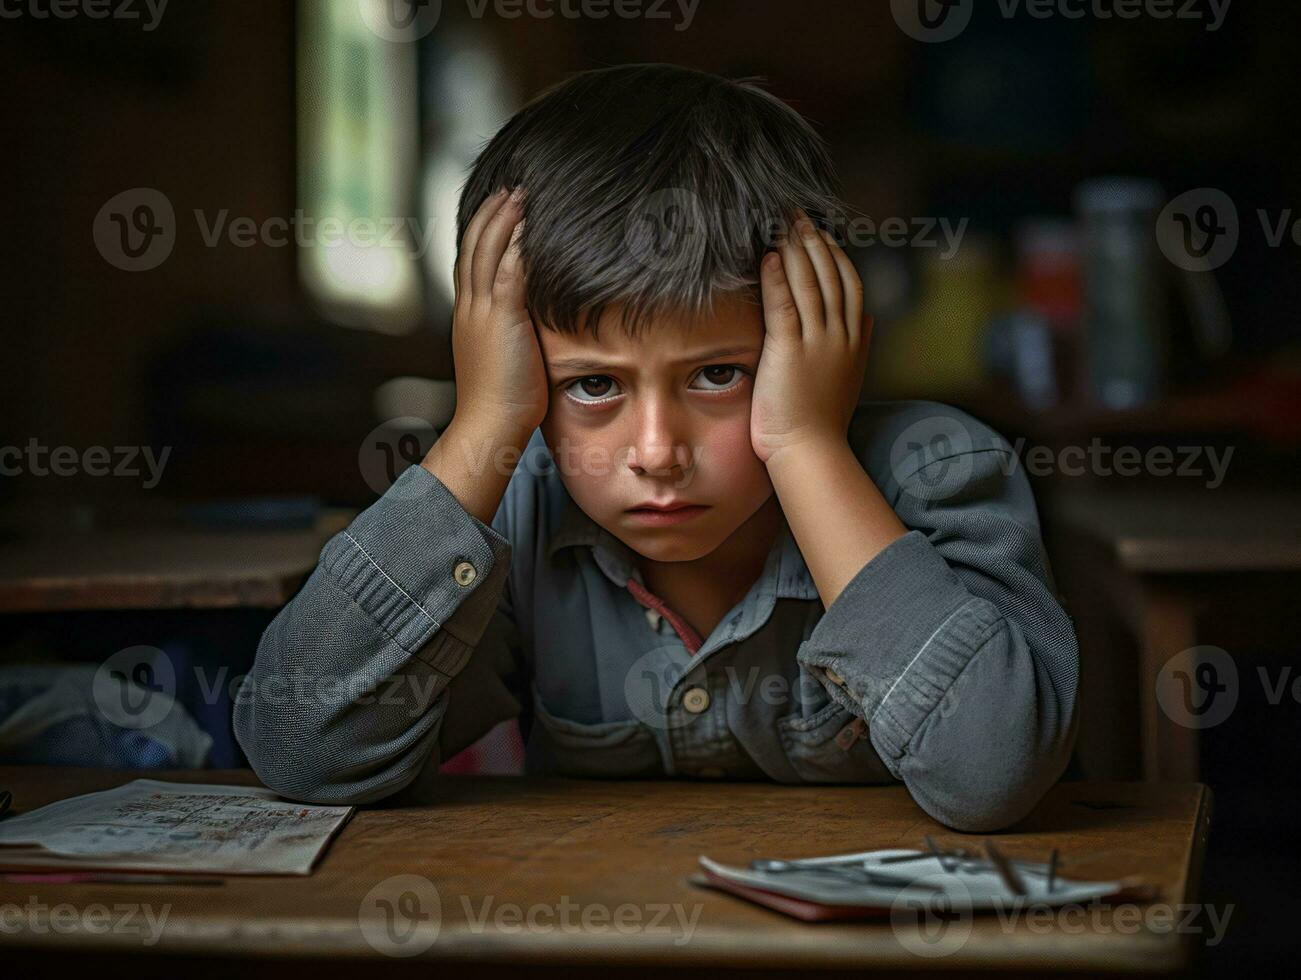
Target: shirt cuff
[426,570]
[895,640]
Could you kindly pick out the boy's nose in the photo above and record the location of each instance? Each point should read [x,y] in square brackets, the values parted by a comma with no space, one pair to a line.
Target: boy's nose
[658,448]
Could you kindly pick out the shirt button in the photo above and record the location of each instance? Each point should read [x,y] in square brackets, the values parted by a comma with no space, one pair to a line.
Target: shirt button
[833,676]
[464,573]
[653,618]
[696,700]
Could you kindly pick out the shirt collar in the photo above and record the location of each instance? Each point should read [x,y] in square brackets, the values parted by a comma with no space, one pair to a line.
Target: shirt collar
[785,572]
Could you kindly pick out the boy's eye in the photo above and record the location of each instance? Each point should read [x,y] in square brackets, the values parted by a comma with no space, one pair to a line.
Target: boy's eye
[725,375]
[596,388]
[592,388]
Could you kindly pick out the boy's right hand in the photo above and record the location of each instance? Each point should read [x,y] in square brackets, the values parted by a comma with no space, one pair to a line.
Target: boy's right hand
[501,380]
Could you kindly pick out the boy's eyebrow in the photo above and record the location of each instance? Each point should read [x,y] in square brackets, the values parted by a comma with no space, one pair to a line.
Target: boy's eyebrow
[586,364]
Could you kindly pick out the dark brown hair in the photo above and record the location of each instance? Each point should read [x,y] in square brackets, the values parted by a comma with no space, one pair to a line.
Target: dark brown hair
[651,187]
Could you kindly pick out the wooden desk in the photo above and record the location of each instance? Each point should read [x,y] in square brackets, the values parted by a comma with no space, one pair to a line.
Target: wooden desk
[524,844]
[58,570]
[1163,556]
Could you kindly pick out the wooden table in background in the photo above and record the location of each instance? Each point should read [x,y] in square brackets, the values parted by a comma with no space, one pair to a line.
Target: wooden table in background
[596,845]
[1167,555]
[60,570]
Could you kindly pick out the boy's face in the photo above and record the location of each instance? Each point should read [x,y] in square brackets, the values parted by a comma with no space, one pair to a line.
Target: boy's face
[663,417]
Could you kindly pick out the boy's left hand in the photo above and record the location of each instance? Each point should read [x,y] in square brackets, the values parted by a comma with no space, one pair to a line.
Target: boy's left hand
[815,345]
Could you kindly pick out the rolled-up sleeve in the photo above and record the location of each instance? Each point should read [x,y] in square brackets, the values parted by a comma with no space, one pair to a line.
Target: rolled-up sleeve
[952,646]
[349,688]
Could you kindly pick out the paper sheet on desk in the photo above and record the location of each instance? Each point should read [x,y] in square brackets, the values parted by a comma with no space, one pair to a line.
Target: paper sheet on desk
[879,880]
[148,825]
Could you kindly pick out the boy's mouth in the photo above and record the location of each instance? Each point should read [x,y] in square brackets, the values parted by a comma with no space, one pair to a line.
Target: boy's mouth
[664,507]
[662,515]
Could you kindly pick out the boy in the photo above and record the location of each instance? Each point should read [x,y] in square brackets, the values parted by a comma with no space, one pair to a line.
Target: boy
[711,561]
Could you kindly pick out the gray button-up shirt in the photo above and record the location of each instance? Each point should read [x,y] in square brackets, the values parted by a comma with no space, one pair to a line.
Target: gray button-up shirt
[946,662]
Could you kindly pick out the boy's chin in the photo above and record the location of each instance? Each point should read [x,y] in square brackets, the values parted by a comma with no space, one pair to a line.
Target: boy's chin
[677,546]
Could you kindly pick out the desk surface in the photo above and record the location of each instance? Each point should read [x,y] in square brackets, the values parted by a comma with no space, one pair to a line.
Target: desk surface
[1190,530]
[56,570]
[501,844]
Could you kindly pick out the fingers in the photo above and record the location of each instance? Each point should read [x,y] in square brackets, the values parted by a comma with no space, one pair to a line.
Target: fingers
[465,256]
[851,287]
[492,244]
[780,313]
[817,280]
[801,276]
[508,283]
[827,276]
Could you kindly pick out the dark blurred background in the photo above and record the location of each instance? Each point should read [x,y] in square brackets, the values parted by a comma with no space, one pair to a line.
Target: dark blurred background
[1082,229]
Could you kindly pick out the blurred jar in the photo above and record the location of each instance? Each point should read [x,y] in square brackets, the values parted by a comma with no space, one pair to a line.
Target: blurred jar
[1125,310]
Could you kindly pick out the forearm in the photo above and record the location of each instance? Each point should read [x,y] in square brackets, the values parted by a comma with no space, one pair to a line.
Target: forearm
[475,461]
[837,515]
[947,640]
[346,692]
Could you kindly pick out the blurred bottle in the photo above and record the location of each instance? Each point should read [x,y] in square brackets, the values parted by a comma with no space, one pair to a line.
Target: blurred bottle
[936,349]
[1125,303]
